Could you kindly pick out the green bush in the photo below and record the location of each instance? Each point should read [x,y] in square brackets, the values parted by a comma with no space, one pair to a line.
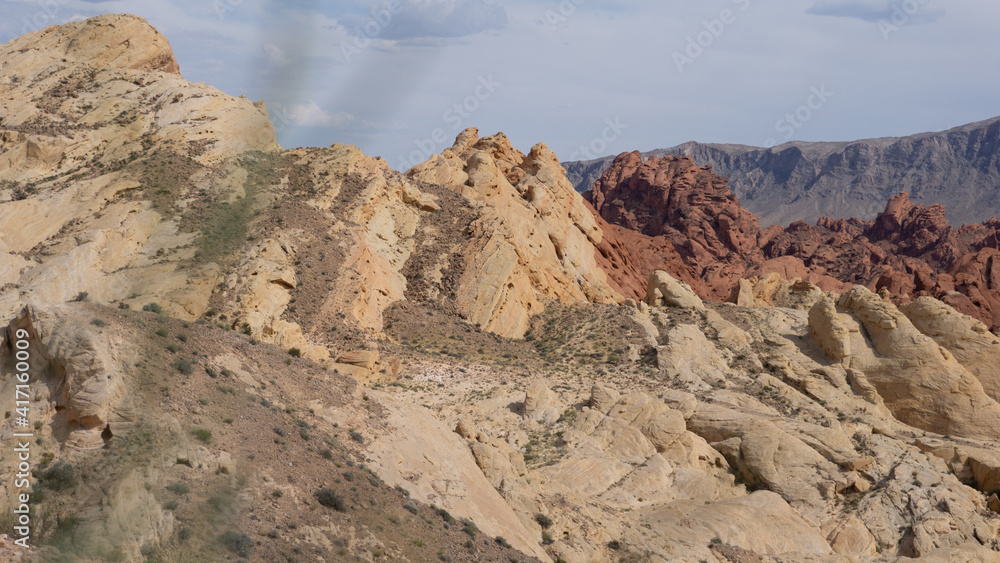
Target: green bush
[544,521]
[330,499]
[152,308]
[202,434]
[183,365]
[98,323]
[295,352]
[162,332]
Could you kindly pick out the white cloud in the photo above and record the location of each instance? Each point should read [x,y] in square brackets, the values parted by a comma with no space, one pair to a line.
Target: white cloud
[310,114]
[429,19]
[275,55]
[916,11]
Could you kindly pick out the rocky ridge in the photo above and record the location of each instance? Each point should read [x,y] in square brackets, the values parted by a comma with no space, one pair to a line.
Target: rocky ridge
[803,181]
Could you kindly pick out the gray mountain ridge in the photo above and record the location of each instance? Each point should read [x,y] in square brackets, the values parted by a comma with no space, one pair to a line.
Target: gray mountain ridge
[799,180]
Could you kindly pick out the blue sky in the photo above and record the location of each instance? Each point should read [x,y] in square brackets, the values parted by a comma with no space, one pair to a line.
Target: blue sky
[399,78]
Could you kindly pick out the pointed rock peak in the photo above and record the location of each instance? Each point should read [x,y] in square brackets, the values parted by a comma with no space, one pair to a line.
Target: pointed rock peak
[501,149]
[465,140]
[540,155]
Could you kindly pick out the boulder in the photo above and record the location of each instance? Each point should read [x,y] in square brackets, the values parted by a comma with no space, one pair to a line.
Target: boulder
[540,403]
[664,290]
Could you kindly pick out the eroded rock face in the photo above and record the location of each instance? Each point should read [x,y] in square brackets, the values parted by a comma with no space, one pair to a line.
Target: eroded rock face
[921,382]
[436,466]
[534,237]
[87,394]
[967,338]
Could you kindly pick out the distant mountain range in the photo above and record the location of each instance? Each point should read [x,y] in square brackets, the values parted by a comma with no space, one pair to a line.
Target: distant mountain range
[959,168]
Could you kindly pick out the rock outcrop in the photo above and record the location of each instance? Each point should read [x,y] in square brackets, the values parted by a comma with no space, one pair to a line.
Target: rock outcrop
[86,398]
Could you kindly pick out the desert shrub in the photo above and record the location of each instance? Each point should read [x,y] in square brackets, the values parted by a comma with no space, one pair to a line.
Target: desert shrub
[162,332]
[469,528]
[178,488]
[98,323]
[152,308]
[202,434]
[445,515]
[330,499]
[294,352]
[59,477]
[544,521]
[183,365]
[238,543]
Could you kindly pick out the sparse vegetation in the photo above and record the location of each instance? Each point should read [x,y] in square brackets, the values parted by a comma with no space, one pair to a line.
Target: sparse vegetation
[59,477]
[330,499]
[238,543]
[183,365]
[178,488]
[202,435]
[544,521]
[152,308]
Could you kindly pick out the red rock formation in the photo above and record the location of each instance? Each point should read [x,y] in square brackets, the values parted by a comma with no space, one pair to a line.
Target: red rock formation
[670,214]
[692,212]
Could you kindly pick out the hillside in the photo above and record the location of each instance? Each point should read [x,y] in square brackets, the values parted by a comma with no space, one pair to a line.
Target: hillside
[803,181]
[241,352]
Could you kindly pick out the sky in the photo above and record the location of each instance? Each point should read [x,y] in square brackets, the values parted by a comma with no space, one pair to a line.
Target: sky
[400,78]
